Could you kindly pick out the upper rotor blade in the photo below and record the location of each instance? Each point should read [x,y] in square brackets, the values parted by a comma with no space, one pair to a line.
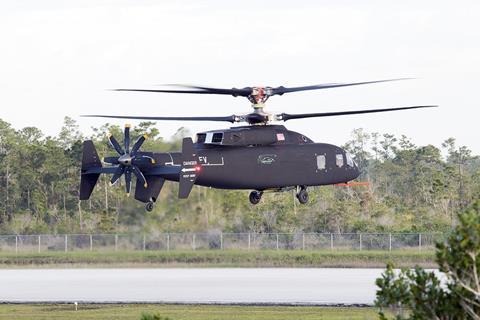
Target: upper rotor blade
[196,90]
[231,119]
[115,144]
[282,90]
[286,116]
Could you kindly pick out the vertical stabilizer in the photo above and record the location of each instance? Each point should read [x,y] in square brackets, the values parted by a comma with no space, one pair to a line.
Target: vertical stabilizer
[188,173]
[90,160]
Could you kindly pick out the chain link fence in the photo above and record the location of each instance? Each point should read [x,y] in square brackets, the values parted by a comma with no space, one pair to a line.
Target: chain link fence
[219,241]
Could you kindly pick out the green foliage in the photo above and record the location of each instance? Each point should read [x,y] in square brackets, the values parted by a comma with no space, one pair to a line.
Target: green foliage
[419,294]
[412,188]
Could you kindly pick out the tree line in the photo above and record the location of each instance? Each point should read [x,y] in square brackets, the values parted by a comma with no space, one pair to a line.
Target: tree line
[411,188]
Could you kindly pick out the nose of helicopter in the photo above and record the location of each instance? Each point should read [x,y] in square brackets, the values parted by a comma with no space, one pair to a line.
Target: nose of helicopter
[355,172]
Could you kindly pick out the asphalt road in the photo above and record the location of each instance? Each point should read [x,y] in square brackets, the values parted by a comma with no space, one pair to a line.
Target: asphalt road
[242,286]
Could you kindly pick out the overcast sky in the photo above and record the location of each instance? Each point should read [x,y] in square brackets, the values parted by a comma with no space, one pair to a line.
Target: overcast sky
[57,58]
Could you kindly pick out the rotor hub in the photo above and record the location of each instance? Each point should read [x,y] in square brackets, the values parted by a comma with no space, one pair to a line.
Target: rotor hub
[260,95]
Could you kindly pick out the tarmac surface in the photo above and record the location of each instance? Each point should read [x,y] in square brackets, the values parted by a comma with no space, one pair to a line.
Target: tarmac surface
[265,286]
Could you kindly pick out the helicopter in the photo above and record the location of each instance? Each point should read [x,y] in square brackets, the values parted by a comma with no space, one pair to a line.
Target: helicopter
[260,156]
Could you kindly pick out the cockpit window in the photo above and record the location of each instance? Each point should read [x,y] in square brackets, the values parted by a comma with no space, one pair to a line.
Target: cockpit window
[201,137]
[217,137]
[349,160]
[339,160]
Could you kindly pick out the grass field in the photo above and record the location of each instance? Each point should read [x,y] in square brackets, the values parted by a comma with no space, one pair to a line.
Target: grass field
[180,312]
[218,258]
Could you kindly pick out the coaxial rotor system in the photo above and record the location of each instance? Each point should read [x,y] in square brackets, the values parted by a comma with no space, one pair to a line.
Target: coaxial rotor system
[257,96]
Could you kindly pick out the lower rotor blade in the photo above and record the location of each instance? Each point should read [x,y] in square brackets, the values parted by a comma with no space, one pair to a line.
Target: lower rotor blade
[231,119]
[286,116]
[140,176]
[115,144]
[128,181]
[118,173]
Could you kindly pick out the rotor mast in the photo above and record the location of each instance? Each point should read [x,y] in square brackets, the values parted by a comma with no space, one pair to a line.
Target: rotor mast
[258,98]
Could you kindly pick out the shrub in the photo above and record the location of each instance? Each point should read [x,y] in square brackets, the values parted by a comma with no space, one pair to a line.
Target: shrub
[419,294]
[153,316]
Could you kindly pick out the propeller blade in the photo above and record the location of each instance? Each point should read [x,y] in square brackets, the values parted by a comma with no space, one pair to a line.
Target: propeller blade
[110,160]
[140,176]
[138,144]
[281,90]
[143,160]
[115,144]
[128,181]
[231,118]
[286,116]
[127,138]
[118,173]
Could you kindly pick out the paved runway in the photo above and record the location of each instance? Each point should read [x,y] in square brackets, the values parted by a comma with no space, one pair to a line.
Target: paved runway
[265,286]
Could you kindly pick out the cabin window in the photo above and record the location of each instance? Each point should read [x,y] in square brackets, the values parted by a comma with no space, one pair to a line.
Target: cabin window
[217,137]
[321,162]
[339,160]
[201,137]
[349,160]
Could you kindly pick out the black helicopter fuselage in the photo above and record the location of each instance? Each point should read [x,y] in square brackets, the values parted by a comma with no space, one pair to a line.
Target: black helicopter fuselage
[291,160]
[265,167]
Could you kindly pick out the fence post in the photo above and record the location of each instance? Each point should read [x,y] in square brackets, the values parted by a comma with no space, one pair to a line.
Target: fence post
[389,242]
[66,243]
[16,243]
[116,242]
[303,241]
[331,241]
[168,241]
[277,241]
[91,243]
[221,240]
[360,237]
[193,241]
[249,241]
[144,242]
[39,245]
[419,241]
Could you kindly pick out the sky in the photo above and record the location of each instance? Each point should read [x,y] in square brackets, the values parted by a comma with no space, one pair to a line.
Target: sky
[58,58]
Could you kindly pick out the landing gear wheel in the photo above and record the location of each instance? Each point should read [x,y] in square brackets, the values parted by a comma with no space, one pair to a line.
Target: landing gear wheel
[149,206]
[255,197]
[302,196]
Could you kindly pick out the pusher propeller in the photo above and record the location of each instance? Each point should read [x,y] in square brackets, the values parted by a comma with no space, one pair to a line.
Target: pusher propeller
[128,160]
